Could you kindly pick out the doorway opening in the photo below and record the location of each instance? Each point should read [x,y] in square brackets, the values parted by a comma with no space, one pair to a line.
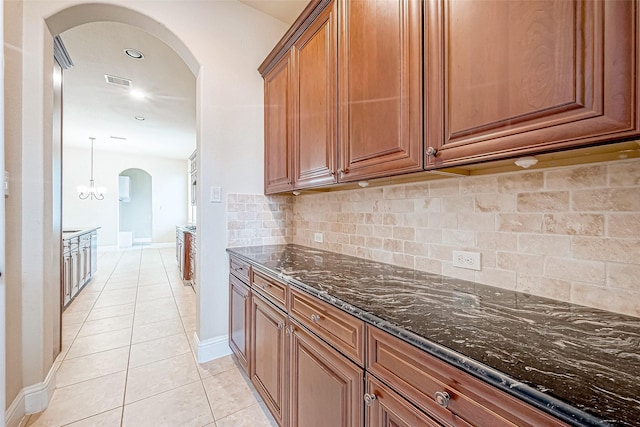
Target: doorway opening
[135,213]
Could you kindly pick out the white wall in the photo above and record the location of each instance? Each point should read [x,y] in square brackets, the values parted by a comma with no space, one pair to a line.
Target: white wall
[169,192]
[223,42]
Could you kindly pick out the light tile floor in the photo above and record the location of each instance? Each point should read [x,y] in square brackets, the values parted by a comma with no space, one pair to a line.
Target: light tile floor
[127,355]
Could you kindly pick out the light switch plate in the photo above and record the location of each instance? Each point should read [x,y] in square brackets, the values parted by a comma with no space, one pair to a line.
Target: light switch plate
[318,237]
[216,195]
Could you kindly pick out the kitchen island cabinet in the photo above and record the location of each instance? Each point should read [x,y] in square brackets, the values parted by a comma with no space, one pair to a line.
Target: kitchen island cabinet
[440,344]
[79,261]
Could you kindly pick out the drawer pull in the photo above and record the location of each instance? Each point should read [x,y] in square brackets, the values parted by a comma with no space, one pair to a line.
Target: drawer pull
[315,318]
[369,399]
[280,326]
[442,398]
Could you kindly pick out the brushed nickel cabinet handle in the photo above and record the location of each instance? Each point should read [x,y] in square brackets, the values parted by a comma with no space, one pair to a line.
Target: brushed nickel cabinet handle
[442,398]
[369,399]
[432,152]
[315,318]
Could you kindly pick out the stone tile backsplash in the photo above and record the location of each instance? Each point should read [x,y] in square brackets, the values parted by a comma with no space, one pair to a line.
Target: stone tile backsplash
[256,219]
[570,233]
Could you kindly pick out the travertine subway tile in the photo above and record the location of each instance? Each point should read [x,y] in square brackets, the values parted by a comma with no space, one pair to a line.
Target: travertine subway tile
[574,224]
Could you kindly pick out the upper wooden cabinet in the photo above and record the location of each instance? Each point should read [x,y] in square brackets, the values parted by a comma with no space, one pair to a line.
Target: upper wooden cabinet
[278,128]
[315,108]
[516,77]
[380,93]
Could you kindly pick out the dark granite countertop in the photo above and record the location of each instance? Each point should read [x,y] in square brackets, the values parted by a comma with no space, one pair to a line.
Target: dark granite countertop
[578,363]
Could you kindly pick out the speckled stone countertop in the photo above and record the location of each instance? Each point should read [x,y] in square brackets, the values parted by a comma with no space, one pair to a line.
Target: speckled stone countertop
[578,363]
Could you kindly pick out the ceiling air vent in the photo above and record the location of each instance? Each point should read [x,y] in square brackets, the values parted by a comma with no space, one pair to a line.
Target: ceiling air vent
[118,81]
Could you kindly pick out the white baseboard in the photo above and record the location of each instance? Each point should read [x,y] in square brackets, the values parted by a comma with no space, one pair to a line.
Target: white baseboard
[212,348]
[37,396]
[15,411]
[31,399]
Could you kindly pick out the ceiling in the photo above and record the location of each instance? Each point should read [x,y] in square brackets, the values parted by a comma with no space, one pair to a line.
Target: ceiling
[285,10]
[94,108]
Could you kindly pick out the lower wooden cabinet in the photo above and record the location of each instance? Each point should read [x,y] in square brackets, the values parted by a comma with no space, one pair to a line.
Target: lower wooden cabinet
[268,356]
[239,320]
[326,388]
[386,408]
[307,378]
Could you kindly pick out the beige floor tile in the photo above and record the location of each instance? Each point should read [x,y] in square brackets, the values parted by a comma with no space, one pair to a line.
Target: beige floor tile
[106,325]
[185,406]
[91,366]
[189,322]
[152,331]
[99,342]
[155,350]
[69,333]
[166,303]
[114,286]
[69,318]
[146,317]
[94,286]
[154,292]
[253,416]
[110,418]
[228,393]
[117,310]
[82,400]
[158,377]
[116,297]
[214,367]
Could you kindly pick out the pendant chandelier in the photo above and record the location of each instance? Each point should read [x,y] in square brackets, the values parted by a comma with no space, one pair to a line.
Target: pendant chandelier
[92,192]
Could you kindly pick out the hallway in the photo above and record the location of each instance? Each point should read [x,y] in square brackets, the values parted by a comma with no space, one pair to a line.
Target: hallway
[128,354]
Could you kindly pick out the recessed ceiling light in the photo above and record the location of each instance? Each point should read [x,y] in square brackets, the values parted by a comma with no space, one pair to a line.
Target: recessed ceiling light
[135,54]
[137,93]
[139,118]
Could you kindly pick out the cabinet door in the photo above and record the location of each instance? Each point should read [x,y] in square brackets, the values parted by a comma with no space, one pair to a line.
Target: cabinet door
[315,58]
[278,121]
[268,357]
[506,78]
[388,409]
[380,68]
[326,388]
[68,270]
[239,320]
[75,273]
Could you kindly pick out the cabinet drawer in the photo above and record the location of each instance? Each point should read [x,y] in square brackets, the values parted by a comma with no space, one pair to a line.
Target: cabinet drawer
[240,269]
[275,291]
[343,331]
[419,376]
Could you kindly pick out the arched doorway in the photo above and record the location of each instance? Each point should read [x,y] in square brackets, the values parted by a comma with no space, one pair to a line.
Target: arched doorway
[135,219]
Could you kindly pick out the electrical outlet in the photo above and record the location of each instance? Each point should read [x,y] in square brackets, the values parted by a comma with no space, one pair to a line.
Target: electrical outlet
[318,238]
[469,260]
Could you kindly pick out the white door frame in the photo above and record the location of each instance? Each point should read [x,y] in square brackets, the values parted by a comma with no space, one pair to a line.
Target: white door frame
[2,236]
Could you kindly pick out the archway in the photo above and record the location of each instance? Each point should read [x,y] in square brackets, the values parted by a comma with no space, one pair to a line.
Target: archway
[135,208]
